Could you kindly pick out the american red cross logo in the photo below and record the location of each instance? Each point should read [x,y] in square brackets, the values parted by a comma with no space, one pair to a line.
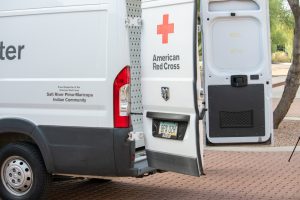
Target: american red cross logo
[165,29]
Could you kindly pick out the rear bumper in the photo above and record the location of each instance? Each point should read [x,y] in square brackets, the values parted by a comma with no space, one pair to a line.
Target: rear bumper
[141,168]
[82,151]
[125,156]
[88,151]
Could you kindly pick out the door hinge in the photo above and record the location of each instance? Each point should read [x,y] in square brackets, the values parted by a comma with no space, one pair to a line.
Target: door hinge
[133,136]
[133,22]
[199,28]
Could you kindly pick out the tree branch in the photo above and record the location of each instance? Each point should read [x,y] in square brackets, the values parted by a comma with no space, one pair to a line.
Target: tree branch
[293,77]
[294,4]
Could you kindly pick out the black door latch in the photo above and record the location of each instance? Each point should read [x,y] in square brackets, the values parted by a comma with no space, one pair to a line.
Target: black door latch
[239,81]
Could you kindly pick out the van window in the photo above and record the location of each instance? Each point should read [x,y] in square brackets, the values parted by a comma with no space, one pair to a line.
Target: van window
[232,5]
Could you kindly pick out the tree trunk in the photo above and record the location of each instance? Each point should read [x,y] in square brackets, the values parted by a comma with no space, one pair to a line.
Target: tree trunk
[293,77]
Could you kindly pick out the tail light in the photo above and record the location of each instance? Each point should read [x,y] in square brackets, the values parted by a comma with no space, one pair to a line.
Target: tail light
[122,99]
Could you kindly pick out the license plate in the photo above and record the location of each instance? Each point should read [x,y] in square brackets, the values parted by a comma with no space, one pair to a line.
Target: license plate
[168,129]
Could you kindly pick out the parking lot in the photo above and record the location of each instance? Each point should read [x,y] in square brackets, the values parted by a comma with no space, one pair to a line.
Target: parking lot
[229,175]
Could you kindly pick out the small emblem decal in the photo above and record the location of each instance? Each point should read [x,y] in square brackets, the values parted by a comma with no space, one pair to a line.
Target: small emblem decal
[165,93]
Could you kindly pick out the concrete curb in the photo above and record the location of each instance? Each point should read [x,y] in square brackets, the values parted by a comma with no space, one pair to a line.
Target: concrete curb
[292,118]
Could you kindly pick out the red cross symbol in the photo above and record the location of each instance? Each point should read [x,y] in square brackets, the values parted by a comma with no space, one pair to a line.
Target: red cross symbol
[165,29]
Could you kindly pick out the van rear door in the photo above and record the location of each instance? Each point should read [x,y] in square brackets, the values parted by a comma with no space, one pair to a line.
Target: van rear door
[238,77]
[169,86]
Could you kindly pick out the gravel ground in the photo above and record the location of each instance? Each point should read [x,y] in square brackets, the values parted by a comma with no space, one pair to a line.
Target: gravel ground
[288,133]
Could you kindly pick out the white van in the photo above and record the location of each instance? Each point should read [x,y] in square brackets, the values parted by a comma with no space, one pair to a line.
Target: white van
[75,100]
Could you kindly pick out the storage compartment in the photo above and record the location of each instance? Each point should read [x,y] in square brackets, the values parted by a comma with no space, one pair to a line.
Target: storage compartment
[242,119]
[236,112]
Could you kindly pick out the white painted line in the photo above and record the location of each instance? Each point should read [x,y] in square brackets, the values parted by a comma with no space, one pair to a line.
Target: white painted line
[252,149]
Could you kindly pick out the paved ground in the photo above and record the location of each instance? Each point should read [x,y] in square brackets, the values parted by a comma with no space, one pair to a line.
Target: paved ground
[294,110]
[280,69]
[288,133]
[279,72]
[229,175]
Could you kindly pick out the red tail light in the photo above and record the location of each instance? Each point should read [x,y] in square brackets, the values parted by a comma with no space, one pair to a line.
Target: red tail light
[122,99]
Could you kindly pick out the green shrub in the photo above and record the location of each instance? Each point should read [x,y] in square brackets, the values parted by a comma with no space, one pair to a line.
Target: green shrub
[280,57]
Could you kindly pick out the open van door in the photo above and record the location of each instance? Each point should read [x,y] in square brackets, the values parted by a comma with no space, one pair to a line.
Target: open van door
[169,86]
[237,71]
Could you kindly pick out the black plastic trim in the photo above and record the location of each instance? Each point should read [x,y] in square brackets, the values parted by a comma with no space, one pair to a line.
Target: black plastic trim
[17,126]
[239,80]
[254,77]
[124,152]
[175,163]
[27,128]
[168,117]
[90,151]
[141,168]
[80,150]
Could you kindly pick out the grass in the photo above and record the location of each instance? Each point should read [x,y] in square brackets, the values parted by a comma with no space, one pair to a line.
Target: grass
[280,57]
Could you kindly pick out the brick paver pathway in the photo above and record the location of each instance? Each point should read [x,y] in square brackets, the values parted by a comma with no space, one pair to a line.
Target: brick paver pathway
[229,175]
